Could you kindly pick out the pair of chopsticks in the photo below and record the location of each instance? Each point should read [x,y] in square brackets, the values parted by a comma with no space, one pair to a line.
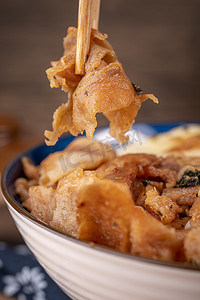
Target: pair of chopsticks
[88,18]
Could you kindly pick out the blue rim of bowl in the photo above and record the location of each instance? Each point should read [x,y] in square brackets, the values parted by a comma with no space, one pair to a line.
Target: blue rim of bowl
[14,203]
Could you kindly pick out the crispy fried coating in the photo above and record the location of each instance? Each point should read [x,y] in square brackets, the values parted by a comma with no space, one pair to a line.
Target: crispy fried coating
[21,187]
[122,119]
[30,170]
[62,72]
[66,196]
[57,206]
[152,239]
[192,246]
[179,223]
[104,88]
[138,192]
[165,209]
[132,160]
[40,202]
[182,196]
[98,55]
[62,121]
[148,167]
[162,174]
[123,175]
[188,160]
[88,192]
[123,171]
[194,213]
[104,214]
[82,153]
[171,162]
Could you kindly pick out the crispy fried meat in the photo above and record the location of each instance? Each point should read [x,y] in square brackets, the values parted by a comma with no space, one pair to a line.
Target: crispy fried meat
[182,196]
[104,88]
[81,153]
[152,239]
[162,206]
[104,214]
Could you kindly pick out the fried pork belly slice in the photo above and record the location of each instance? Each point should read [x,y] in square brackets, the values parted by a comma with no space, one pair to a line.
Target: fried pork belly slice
[82,153]
[183,160]
[62,122]
[30,170]
[66,197]
[182,196]
[192,246]
[119,170]
[70,40]
[125,169]
[104,212]
[40,202]
[100,51]
[171,162]
[162,206]
[104,88]
[155,172]
[152,239]
[148,167]
[138,192]
[194,213]
[62,72]
[180,223]
[122,119]
[141,160]
[126,175]
[21,187]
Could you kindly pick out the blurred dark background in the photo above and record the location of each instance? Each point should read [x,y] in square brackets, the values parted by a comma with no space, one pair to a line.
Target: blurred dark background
[157,42]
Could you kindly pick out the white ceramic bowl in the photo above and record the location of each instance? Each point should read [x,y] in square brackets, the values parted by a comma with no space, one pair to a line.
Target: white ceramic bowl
[94,272]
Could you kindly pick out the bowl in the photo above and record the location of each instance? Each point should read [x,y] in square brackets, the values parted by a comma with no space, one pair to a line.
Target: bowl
[86,271]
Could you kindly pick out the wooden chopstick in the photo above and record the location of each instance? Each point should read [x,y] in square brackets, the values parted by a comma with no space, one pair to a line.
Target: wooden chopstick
[95,13]
[88,17]
[83,35]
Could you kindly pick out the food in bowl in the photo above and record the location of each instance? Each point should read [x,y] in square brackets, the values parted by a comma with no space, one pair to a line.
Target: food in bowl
[143,204]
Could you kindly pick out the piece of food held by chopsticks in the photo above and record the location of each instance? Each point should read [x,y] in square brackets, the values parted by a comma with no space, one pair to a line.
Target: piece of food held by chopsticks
[95,81]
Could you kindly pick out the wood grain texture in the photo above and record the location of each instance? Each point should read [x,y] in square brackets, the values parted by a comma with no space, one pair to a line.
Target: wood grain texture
[83,35]
[157,42]
[96,5]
